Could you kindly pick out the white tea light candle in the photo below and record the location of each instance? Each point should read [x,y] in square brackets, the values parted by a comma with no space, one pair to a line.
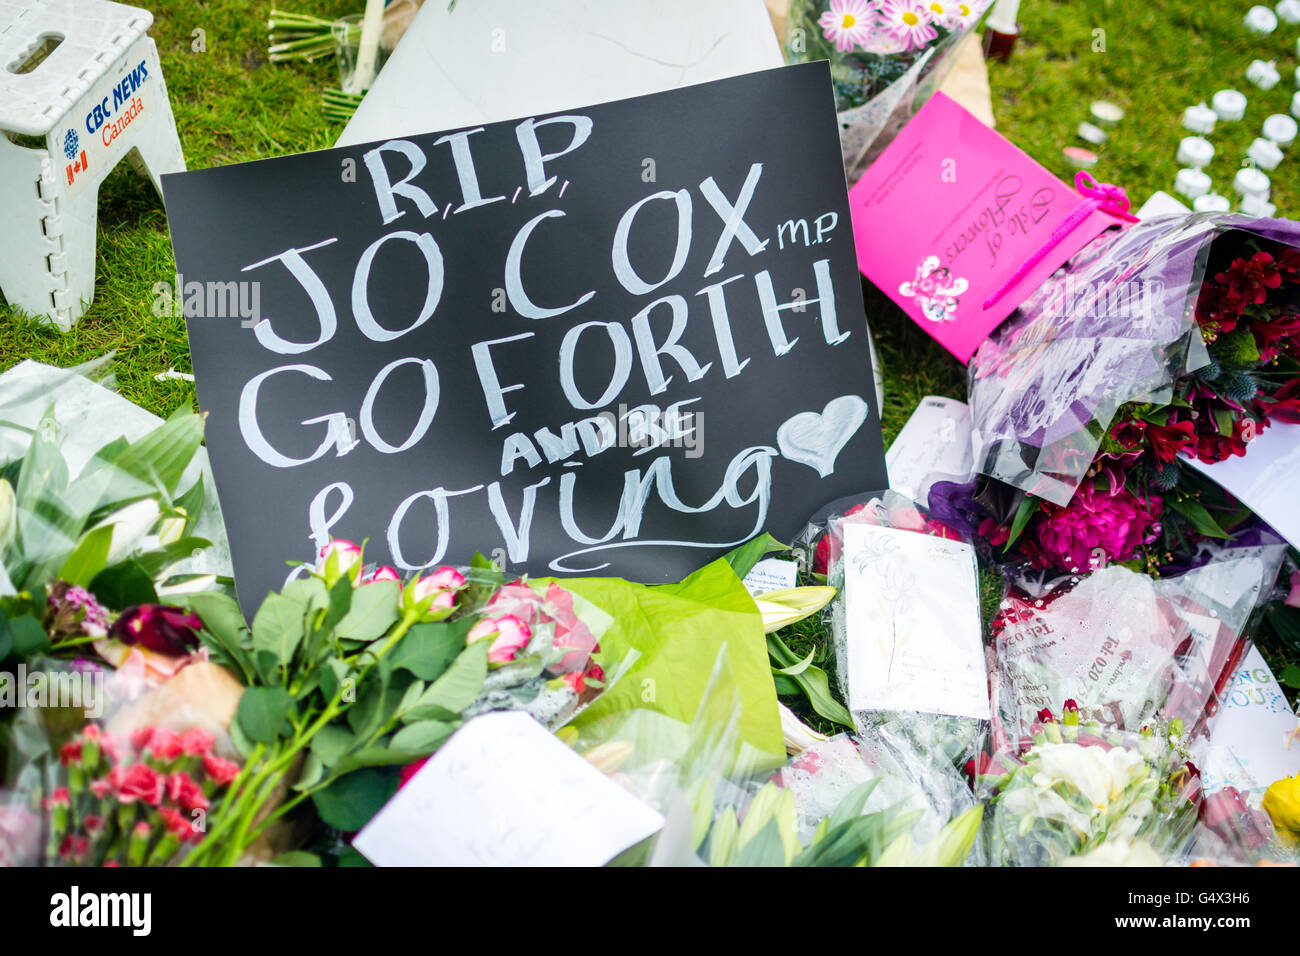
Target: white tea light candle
[1200,118]
[1262,74]
[1295,105]
[1092,134]
[1281,129]
[1251,182]
[1260,20]
[1254,206]
[1192,183]
[1106,113]
[1195,151]
[1289,11]
[1229,105]
[1264,154]
[1212,203]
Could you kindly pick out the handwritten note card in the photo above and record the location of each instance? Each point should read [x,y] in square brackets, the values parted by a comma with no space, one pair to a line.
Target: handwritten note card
[935,443]
[913,622]
[949,212]
[622,340]
[1250,738]
[505,792]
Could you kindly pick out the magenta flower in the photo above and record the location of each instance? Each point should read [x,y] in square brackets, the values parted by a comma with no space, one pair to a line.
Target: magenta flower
[385,573]
[159,628]
[433,596]
[339,558]
[1109,526]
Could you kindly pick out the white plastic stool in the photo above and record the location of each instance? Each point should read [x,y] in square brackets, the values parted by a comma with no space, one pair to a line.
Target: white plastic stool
[84,75]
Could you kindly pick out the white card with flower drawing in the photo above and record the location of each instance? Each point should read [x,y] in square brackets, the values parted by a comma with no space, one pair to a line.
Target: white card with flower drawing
[913,623]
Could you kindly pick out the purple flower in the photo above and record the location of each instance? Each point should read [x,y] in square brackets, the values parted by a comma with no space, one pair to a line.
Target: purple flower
[954,504]
[74,610]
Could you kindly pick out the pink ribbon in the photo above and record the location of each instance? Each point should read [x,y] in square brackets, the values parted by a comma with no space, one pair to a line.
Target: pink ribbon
[1097,196]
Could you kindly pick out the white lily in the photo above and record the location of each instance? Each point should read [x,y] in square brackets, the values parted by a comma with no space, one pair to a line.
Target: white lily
[201,583]
[130,525]
[791,605]
[798,735]
[8,514]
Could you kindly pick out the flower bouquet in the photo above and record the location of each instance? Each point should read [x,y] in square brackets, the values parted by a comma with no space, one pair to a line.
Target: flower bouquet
[1175,340]
[886,56]
[1081,796]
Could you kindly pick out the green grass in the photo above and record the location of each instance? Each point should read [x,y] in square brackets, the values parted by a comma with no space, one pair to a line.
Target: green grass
[232,105]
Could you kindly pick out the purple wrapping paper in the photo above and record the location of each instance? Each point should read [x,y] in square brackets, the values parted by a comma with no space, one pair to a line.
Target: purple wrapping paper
[1116,325]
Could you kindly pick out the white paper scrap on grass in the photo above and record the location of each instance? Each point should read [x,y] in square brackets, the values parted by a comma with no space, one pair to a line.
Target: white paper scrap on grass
[913,623]
[1251,737]
[771,574]
[504,791]
[1264,478]
[935,443]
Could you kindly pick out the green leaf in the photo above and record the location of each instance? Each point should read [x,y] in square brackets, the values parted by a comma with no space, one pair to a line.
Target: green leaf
[162,456]
[457,688]
[1197,516]
[29,638]
[6,641]
[1285,622]
[263,713]
[1290,675]
[813,682]
[765,849]
[296,858]
[88,558]
[350,801]
[427,649]
[192,503]
[313,772]
[278,627]
[331,743]
[1024,511]
[340,601]
[124,585]
[794,670]
[743,559]
[223,629]
[423,737]
[156,562]
[373,611]
[380,756]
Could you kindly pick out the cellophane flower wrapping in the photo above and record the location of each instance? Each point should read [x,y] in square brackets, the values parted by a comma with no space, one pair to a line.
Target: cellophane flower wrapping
[946,740]
[133,786]
[1117,325]
[886,57]
[1122,648]
[1074,793]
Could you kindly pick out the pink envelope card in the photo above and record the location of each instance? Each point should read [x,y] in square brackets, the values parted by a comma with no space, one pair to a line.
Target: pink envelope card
[951,212]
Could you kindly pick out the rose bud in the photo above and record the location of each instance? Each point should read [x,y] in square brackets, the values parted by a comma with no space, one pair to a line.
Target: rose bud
[385,573]
[433,597]
[509,635]
[338,559]
[159,628]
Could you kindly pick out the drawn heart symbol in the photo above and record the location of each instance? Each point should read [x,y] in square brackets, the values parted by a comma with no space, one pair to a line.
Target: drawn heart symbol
[814,440]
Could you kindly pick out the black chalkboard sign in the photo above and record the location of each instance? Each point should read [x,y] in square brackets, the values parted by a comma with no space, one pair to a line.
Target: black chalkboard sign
[618,340]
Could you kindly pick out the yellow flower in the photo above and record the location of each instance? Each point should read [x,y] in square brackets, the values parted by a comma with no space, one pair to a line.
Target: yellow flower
[1282,801]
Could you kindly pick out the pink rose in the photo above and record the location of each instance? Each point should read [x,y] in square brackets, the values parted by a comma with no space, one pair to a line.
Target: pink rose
[338,559]
[434,595]
[509,635]
[101,787]
[138,782]
[219,771]
[196,742]
[183,791]
[386,573]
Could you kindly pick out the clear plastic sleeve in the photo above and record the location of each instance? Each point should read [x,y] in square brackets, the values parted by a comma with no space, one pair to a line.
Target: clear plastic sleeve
[886,58]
